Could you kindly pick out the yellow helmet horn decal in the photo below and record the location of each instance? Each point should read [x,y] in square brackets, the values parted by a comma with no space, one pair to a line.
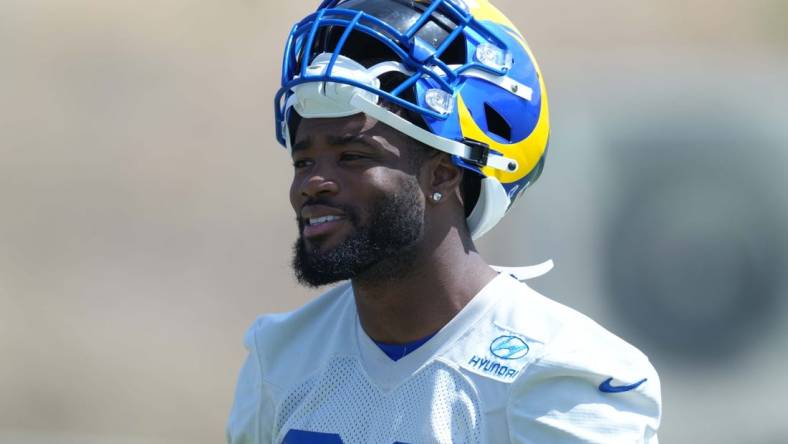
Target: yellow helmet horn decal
[526,152]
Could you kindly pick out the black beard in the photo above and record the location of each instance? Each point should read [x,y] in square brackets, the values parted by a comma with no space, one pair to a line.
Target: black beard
[382,249]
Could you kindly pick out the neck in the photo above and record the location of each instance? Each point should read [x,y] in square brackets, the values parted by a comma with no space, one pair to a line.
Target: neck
[400,301]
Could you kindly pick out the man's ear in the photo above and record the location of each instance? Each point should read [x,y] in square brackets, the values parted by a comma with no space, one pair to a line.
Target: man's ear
[440,175]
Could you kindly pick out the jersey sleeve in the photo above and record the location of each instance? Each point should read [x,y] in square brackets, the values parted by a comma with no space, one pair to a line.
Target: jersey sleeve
[252,415]
[595,390]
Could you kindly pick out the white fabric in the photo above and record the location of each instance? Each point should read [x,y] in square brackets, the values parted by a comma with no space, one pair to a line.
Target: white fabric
[490,207]
[315,370]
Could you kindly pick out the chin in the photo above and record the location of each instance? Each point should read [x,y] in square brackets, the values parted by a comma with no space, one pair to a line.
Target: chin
[322,244]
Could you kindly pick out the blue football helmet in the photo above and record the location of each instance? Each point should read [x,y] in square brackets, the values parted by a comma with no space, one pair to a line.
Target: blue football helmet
[460,70]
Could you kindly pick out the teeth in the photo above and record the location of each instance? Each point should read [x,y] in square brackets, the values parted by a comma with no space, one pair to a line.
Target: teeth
[322,220]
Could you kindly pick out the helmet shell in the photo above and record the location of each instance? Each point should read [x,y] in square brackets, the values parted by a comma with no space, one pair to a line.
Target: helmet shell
[465,50]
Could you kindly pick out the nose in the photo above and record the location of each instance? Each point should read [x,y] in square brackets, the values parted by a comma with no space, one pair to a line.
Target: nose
[318,183]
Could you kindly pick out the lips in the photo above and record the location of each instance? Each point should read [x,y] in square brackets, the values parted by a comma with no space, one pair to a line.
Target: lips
[312,230]
[319,220]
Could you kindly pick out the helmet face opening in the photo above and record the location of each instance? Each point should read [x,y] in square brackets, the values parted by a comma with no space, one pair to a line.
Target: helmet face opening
[455,76]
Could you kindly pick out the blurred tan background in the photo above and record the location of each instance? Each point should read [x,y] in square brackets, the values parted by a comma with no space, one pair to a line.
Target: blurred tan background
[144,219]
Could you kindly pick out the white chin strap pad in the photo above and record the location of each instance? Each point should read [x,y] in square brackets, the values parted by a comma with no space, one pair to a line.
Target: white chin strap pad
[490,207]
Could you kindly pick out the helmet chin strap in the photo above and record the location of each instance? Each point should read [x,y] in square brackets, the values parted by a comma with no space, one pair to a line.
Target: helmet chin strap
[525,273]
[449,146]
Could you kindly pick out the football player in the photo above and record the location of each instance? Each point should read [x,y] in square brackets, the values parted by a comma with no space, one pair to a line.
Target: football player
[413,126]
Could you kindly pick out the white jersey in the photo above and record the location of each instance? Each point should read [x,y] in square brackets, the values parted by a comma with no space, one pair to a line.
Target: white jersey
[511,367]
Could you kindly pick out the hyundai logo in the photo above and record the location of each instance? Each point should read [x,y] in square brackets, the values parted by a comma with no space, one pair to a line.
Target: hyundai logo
[509,347]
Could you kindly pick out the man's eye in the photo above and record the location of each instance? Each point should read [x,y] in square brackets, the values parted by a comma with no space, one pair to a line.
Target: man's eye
[352,156]
[301,163]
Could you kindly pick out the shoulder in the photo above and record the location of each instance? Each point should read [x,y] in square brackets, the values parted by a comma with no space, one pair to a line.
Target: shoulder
[583,382]
[275,362]
[291,343]
[563,335]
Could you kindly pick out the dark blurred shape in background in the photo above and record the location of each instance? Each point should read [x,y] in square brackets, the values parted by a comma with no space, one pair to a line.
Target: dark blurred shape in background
[696,237]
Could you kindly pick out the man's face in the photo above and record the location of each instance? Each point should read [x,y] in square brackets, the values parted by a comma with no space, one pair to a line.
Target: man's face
[358,203]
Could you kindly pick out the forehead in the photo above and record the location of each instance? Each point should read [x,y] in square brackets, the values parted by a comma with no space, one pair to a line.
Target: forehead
[344,126]
[359,127]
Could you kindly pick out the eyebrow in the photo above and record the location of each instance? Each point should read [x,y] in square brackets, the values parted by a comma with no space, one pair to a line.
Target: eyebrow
[302,145]
[332,140]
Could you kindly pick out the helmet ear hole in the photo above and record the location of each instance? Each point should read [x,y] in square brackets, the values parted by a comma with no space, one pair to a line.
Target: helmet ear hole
[496,124]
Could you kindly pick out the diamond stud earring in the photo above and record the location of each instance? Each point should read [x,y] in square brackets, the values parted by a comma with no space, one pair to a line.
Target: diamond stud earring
[436,196]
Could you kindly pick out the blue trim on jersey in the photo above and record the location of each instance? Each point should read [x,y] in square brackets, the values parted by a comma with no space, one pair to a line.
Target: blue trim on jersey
[295,436]
[399,351]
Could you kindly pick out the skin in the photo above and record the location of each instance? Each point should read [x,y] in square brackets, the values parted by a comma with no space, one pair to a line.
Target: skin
[352,161]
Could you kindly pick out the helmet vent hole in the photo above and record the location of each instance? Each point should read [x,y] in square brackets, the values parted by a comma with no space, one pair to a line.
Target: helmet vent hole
[496,124]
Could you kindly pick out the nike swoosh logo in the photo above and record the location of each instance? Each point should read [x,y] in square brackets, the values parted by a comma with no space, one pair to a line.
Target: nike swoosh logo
[607,387]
